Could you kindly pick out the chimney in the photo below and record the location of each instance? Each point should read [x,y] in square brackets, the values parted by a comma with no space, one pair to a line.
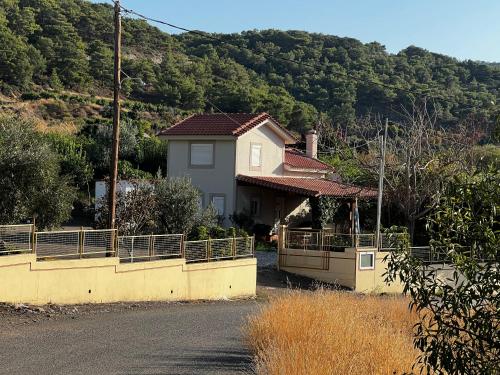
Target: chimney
[312,144]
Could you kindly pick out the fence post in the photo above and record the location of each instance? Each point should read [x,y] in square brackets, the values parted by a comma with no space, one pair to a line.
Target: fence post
[151,246]
[33,237]
[209,249]
[81,242]
[233,252]
[115,243]
[183,249]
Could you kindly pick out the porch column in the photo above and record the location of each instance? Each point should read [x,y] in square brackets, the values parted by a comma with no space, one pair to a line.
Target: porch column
[354,206]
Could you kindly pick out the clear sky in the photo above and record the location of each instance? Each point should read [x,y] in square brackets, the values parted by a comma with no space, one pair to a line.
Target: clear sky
[466,29]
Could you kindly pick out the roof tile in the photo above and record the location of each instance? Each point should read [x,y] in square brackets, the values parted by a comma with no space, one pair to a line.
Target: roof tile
[312,187]
[299,160]
[230,124]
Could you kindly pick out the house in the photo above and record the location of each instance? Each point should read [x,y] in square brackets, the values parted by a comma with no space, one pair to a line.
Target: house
[245,163]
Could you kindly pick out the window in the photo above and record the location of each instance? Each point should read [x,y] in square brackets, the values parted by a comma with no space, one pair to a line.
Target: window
[255,206]
[219,202]
[201,155]
[367,260]
[255,155]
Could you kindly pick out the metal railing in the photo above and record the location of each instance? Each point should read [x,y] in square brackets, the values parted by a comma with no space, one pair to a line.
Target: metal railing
[149,247]
[75,244]
[325,240]
[390,241]
[218,249]
[16,239]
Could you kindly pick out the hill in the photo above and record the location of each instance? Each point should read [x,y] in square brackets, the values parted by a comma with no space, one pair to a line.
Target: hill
[58,46]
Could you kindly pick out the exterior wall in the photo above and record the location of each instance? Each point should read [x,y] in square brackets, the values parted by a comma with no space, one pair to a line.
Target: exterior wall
[102,280]
[273,151]
[372,281]
[294,205]
[342,268]
[217,180]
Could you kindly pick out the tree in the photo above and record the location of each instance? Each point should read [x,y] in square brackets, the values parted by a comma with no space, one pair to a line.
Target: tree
[30,180]
[179,206]
[136,209]
[421,156]
[459,315]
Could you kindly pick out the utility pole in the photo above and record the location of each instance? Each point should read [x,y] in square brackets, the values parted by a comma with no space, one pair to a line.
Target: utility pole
[381,184]
[116,118]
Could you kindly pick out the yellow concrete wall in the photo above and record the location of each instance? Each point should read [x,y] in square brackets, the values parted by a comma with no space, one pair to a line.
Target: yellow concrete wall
[23,279]
[343,270]
[372,281]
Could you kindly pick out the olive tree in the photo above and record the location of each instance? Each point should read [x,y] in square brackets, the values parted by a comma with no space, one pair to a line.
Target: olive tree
[458,330]
[136,209]
[179,208]
[30,180]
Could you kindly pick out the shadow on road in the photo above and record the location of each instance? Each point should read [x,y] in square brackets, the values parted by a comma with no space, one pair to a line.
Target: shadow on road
[207,361]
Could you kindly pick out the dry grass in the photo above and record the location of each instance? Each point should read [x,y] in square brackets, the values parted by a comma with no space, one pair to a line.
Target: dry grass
[333,333]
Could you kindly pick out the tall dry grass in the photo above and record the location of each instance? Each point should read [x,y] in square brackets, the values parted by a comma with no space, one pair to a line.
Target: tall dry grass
[332,333]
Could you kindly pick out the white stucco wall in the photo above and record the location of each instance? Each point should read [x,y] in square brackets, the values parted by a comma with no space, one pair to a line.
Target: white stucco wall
[273,149]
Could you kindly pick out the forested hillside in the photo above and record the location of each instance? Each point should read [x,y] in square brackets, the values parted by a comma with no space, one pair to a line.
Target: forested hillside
[54,46]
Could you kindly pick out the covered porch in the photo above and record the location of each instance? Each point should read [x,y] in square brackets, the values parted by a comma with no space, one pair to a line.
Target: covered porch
[293,201]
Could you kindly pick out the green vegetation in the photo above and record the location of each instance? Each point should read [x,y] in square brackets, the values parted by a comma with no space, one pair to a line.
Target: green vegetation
[68,45]
[56,67]
[459,315]
[32,182]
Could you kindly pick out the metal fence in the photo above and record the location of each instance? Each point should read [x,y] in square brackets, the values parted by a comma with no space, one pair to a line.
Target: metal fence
[16,239]
[390,241]
[218,249]
[149,247]
[325,240]
[74,244]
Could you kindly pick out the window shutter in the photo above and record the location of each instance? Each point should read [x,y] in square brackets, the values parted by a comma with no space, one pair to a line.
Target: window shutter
[255,157]
[202,154]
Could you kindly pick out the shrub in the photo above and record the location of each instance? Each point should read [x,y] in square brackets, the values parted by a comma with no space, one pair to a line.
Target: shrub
[198,233]
[218,232]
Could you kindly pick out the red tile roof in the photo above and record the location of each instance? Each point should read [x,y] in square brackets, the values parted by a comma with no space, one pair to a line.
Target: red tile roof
[232,124]
[299,160]
[312,187]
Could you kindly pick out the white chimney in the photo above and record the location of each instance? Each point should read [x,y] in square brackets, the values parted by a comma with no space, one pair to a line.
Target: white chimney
[312,144]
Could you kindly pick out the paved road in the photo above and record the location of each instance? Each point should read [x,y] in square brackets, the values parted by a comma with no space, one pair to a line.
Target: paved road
[200,338]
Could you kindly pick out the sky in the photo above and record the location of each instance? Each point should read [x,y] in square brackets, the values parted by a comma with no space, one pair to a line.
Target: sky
[465,29]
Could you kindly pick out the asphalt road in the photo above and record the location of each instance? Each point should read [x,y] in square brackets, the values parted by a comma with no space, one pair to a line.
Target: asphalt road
[199,338]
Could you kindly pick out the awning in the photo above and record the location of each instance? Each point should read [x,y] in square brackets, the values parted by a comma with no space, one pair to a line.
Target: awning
[311,187]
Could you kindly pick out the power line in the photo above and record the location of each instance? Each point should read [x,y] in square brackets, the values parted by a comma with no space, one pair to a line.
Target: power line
[267,55]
